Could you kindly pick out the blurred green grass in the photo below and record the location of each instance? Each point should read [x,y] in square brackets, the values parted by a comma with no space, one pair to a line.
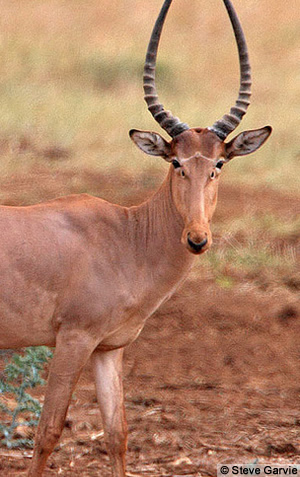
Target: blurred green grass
[71,76]
[71,88]
[257,249]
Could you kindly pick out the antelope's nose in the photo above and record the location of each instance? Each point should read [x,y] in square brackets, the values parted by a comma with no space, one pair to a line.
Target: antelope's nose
[196,247]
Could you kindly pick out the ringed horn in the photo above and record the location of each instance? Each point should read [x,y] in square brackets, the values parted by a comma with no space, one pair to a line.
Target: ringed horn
[172,125]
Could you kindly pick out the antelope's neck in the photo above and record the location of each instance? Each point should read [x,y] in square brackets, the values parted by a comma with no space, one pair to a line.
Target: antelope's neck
[157,229]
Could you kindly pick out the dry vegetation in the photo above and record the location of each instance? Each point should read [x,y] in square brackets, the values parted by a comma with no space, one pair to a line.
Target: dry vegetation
[71,82]
[70,89]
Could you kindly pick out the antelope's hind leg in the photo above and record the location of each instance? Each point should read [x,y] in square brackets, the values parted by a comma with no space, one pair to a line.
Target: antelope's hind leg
[108,377]
[72,351]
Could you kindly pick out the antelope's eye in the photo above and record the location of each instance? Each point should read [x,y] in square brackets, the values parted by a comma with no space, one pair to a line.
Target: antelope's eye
[182,173]
[212,175]
[220,164]
[175,164]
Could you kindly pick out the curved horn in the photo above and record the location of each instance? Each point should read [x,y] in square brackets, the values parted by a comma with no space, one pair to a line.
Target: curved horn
[172,125]
[230,121]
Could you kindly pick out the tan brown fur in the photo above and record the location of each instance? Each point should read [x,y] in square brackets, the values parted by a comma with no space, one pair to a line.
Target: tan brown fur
[83,275]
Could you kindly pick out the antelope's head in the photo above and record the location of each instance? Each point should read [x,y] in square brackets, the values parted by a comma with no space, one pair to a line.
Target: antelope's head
[197,155]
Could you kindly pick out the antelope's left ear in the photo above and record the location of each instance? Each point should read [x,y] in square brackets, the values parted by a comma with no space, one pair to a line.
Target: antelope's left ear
[151,143]
[247,142]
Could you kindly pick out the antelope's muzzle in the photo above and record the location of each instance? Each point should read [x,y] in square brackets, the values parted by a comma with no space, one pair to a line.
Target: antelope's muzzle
[195,246]
[197,241]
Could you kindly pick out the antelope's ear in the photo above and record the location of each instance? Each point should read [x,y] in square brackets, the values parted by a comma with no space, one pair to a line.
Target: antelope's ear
[151,143]
[247,142]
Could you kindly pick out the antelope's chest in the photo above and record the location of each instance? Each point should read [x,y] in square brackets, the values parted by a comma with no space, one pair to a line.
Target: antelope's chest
[129,324]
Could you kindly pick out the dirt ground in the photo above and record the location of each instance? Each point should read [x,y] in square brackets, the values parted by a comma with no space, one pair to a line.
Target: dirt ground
[213,378]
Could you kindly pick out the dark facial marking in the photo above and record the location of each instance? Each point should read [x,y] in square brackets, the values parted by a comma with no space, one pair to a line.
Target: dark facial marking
[176,164]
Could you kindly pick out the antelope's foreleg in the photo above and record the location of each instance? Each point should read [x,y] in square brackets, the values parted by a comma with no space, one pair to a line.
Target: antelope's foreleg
[71,353]
[108,377]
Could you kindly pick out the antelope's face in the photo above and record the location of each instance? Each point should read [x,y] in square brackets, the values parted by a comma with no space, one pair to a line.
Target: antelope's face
[196,167]
[197,157]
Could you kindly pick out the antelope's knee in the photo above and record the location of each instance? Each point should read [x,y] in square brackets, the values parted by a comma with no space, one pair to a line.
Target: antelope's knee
[46,439]
[116,442]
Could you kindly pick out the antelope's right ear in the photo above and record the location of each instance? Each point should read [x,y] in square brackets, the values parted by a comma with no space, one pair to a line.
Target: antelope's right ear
[151,143]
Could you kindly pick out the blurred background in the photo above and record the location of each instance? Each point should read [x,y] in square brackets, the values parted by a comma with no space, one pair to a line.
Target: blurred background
[71,85]
[70,90]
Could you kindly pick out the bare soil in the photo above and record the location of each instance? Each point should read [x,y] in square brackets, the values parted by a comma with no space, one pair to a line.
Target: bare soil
[213,378]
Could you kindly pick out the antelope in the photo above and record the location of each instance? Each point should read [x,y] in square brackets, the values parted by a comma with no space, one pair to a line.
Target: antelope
[83,275]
